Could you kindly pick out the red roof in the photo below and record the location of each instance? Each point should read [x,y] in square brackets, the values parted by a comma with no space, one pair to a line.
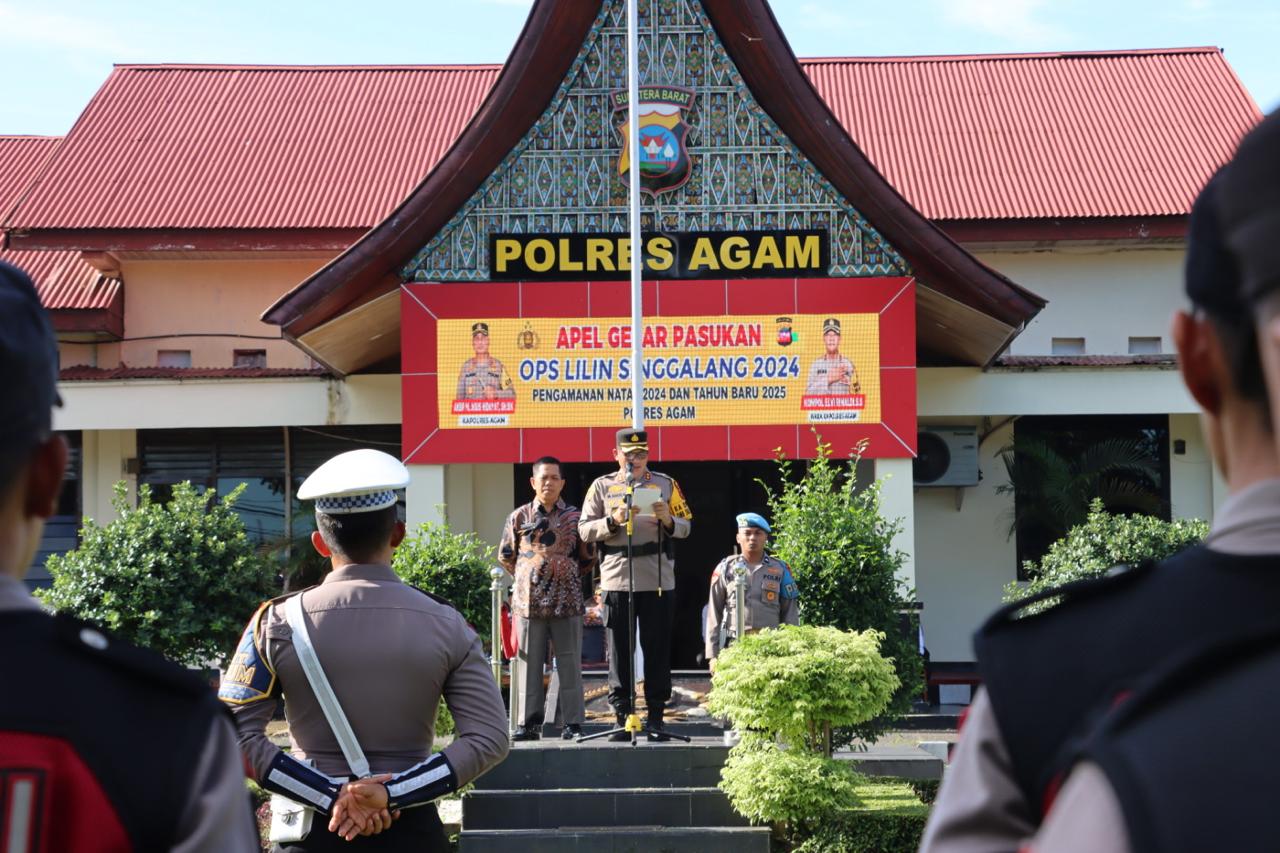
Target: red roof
[20,158]
[182,146]
[1033,362]
[1109,134]
[63,280]
[1106,134]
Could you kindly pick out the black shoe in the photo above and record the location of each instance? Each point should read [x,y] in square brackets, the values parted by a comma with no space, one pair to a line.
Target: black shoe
[571,732]
[656,730]
[527,733]
[621,734]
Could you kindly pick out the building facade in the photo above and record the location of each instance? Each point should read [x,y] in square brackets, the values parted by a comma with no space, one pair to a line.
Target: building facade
[237,276]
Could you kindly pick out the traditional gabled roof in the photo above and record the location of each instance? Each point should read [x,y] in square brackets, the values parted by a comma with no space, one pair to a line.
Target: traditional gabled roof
[80,298]
[955,286]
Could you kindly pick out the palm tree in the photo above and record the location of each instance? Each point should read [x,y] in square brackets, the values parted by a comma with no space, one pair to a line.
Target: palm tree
[1054,479]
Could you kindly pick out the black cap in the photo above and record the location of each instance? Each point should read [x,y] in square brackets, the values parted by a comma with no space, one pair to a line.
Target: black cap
[28,360]
[630,440]
[1249,203]
[479,329]
[1212,275]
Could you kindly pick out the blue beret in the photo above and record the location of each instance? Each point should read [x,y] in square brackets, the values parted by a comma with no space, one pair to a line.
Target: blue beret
[753,519]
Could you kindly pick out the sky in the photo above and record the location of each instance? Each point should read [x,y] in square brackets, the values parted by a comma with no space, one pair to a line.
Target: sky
[55,54]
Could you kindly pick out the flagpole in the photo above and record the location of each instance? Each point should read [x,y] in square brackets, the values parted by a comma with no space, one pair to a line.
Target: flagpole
[637,246]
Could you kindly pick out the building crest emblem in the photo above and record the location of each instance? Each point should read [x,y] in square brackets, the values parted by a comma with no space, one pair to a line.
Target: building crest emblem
[664,157]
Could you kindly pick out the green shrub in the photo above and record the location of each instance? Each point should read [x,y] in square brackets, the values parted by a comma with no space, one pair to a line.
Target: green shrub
[1105,540]
[888,819]
[451,565]
[766,784]
[797,682]
[840,549]
[793,685]
[181,578]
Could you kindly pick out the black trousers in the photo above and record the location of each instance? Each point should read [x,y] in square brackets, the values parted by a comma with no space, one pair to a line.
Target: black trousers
[417,831]
[655,616]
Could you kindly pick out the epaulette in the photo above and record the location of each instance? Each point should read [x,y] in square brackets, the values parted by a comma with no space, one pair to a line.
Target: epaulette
[1069,595]
[110,651]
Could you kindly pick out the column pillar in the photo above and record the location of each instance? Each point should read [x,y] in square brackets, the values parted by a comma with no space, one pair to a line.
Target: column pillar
[425,497]
[897,501]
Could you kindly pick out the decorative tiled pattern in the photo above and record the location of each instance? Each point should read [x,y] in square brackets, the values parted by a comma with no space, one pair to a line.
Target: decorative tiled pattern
[563,175]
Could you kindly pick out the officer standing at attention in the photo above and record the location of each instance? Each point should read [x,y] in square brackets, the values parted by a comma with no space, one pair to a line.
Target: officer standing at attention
[772,597]
[541,549]
[390,653]
[78,707]
[1048,677]
[604,520]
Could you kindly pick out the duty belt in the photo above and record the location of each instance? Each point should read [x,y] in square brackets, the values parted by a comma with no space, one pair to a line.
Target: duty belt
[648,549]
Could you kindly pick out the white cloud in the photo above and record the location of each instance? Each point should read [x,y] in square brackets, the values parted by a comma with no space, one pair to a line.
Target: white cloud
[1016,20]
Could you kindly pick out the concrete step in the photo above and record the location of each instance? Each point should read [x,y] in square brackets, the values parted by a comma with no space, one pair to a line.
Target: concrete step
[587,807]
[617,839]
[545,765]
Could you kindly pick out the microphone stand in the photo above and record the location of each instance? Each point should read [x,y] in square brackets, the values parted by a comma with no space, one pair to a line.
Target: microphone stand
[633,726]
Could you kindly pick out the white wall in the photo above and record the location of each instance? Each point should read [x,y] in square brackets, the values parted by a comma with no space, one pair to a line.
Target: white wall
[1191,473]
[964,556]
[1103,295]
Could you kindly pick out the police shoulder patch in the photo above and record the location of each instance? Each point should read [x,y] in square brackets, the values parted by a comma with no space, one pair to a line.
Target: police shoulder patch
[249,677]
[789,587]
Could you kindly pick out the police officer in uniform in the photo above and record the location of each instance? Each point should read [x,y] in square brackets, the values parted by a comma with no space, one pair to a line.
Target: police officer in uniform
[831,372]
[1049,677]
[390,652]
[772,597]
[482,376]
[1136,786]
[604,520]
[103,746]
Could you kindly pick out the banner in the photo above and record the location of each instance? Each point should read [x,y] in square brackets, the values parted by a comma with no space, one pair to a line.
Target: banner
[708,370]
[501,372]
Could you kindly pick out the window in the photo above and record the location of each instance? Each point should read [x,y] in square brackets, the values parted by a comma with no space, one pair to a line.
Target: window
[173,358]
[249,358]
[1144,346]
[1057,465]
[1067,346]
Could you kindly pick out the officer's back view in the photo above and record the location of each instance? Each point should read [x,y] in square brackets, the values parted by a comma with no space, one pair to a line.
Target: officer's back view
[389,653]
[103,746]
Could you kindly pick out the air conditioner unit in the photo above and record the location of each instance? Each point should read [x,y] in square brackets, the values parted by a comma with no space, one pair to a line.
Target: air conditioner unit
[946,456]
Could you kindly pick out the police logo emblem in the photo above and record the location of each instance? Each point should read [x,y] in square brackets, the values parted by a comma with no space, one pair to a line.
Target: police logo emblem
[527,339]
[786,336]
[664,158]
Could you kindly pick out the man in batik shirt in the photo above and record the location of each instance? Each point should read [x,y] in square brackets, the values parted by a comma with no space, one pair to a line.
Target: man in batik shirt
[542,550]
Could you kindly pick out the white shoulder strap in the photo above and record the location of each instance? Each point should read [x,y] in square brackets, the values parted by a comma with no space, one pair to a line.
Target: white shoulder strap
[320,686]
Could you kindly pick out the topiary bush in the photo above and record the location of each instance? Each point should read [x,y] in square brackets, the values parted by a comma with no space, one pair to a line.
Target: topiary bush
[786,689]
[451,565]
[888,819]
[1105,540]
[181,578]
[797,682]
[840,550]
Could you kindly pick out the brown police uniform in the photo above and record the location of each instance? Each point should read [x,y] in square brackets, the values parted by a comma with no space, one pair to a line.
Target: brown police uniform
[772,598]
[480,377]
[391,653]
[655,579]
